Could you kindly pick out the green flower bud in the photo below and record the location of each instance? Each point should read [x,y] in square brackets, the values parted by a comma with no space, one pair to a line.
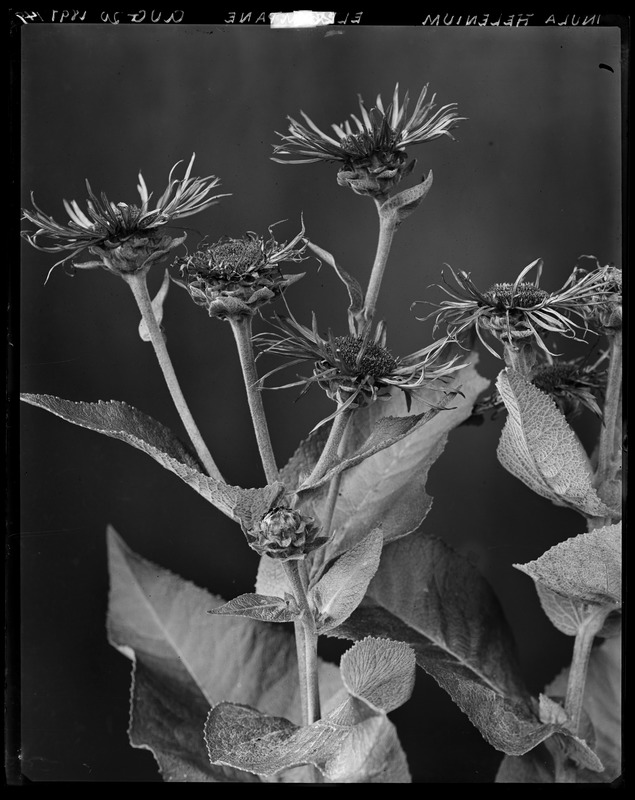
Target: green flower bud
[285,534]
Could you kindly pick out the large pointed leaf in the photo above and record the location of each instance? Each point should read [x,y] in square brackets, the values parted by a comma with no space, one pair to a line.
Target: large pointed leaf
[587,567]
[338,593]
[122,421]
[428,596]
[386,433]
[602,704]
[387,490]
[354,743]
[187,660]
[579,576]
[539,447]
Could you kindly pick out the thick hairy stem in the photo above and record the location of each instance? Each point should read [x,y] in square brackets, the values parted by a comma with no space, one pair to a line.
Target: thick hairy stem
[309,667]
[579,665]
[387,228]
[241,327]
[139,286]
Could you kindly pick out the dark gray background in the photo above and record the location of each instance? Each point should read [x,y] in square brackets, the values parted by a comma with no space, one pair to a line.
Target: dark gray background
[536,171]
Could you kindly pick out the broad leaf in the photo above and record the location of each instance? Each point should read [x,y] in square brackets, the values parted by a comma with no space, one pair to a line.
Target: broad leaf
[539,448]
[387,490]
[271,578]
[353,743]
[167,717]
[262,607]
[387,432]
[157,307]
[603,706]
[579,576]
[587,567]
[436,601]
[187,659]
[380,672]
[124,422]
[338,593]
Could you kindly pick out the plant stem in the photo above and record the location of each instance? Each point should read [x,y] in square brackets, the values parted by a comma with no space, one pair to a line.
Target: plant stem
[309,668]
[329,453]
[138,284]
[241,326]
[387,228]
[608,447]
[300,649]
[587,632]
[334,488]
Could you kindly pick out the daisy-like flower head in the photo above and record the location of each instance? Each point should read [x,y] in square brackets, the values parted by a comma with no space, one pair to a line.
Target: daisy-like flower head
[125,238]
[372,148]
[285,534]
[354,371]
[235,277]
[519,312]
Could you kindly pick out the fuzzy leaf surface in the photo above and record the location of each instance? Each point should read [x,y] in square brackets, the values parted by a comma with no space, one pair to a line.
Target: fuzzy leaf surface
[576,577]
[587,567]
[379,671]
[354,743]
[338,592]
[539,447]
[347,747]
[262,607]
[387,490]
[436,601]
[188,660]
[126,423]
[602,705]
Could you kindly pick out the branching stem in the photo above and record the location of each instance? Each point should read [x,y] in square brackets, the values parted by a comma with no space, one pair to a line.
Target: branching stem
[310,672]
[138,284]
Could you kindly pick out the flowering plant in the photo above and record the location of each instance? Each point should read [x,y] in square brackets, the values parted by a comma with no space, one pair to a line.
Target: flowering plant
[234,690]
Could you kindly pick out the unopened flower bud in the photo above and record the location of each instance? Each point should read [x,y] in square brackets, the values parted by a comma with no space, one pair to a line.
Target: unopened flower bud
[285,534]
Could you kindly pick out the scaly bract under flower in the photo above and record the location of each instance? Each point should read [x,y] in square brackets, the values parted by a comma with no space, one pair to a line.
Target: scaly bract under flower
[126,238]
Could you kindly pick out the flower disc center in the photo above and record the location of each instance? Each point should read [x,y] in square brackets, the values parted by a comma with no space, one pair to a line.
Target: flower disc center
[503,296]
[375,360]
